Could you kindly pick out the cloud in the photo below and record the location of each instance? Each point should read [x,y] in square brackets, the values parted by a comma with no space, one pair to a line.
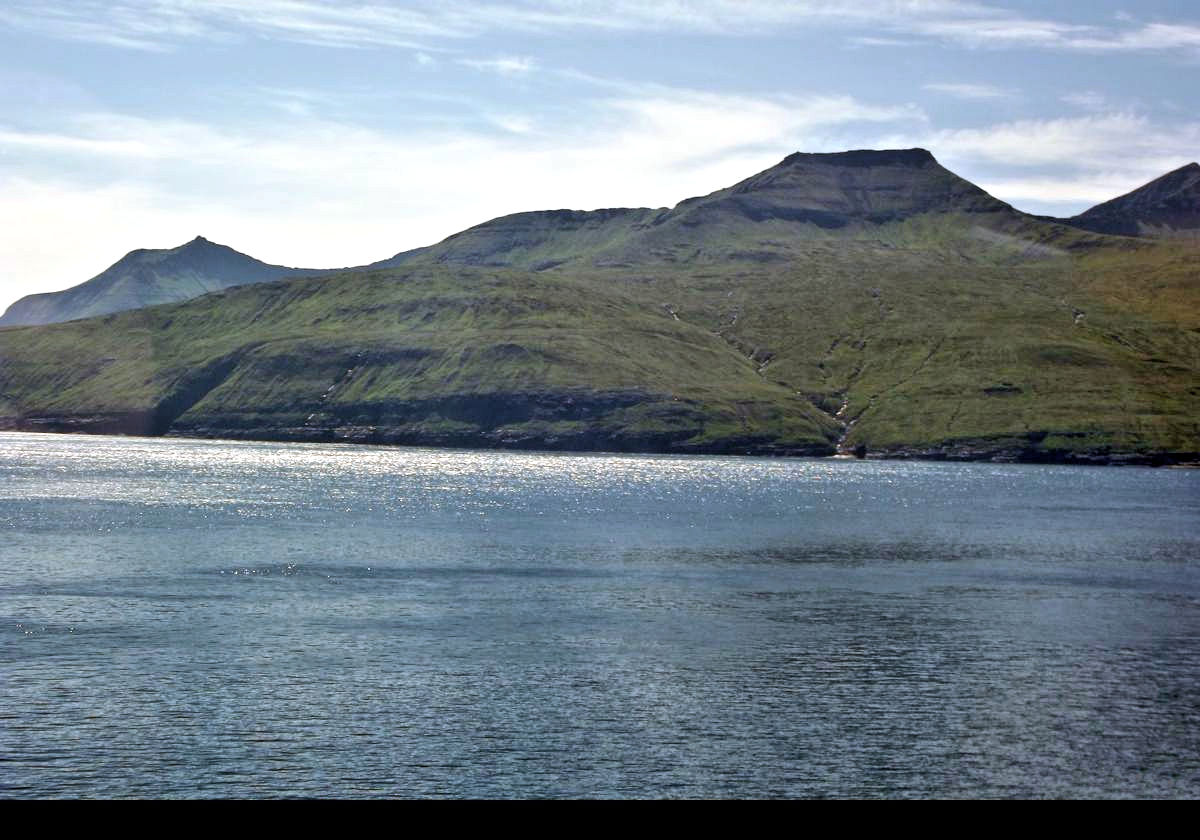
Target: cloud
[513,123]
[1064,196]
[1055,164]
[992,30]
[121,25]
[962,90]
[1153,36]
[163,24]
[877,41]
[419,24]
[1089,100]
[683,129]
[1113,141]
[297,188]
[505,65]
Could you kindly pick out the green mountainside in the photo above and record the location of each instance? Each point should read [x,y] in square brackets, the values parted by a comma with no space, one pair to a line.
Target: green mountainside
[148,277]
[868,302]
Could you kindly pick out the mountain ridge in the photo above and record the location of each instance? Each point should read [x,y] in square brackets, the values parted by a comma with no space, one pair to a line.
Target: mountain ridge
[807,195]
[888,308]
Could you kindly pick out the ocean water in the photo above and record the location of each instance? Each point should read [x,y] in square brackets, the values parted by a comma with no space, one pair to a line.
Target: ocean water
[228,619]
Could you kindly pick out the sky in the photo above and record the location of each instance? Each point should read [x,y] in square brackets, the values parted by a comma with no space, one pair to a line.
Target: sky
[321,134]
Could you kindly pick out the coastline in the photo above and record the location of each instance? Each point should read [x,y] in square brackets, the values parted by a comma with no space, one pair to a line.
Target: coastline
[983,451]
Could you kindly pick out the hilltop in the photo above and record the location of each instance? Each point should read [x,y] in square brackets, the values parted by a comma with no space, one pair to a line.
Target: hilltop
[148,277]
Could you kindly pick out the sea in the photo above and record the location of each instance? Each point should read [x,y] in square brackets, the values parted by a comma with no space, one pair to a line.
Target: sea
[216,619]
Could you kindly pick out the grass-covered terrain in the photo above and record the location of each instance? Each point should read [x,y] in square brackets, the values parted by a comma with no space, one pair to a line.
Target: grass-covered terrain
[464,356]
[878,304]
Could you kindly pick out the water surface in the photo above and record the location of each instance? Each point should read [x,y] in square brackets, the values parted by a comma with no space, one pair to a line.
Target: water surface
[197,618]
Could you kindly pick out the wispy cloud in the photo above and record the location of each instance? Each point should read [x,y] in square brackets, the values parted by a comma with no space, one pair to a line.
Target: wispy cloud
[1110,141]
[512,123]
[118,137]
[686,128]
[1089,100]
[994,29]
[1065,195]
[1070,162]
[879,41]
[653,119]
[963,90]
[421,24]
[504,65]
[1152,36]
[163,24]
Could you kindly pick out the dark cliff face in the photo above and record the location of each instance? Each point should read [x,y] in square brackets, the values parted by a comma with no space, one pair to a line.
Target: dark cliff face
[147,277]
[1167,206]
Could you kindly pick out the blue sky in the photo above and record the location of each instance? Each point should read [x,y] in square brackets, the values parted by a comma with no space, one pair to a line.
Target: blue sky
[322,134]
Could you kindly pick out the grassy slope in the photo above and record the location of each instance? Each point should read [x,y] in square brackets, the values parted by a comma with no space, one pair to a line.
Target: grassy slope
[939,348]
[438,355]
[929,350]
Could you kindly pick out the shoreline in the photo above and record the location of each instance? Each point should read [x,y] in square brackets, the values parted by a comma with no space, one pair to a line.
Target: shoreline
[965,452]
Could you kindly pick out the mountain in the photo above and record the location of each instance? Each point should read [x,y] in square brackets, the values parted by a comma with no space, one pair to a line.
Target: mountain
[1167,206]
[148,277]
[867,301]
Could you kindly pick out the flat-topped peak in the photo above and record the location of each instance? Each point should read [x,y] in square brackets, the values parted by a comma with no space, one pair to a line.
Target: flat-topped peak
[864,158]
[839,189]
